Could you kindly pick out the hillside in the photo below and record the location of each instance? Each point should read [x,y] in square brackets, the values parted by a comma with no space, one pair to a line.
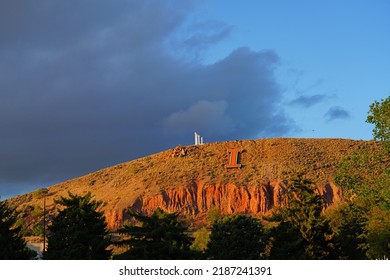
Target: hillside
[192,179]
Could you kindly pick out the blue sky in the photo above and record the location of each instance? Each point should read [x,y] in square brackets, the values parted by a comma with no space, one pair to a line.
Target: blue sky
[88,84]
[338,49]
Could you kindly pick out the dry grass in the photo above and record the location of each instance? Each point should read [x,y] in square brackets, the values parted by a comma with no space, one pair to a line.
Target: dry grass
[262,160]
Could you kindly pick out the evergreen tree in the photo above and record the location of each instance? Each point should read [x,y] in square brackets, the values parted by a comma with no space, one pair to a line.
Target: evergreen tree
[308,234]
[160,236]
[78,232]
[12,244]
[285,243]
[237,237]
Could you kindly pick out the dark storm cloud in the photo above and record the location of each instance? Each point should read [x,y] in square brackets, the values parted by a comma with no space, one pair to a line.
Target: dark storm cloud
[236,97]
[86,84]
[308,101]
[336,112]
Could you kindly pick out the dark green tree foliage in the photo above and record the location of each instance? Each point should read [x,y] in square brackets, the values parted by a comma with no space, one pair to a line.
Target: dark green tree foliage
[236,237]
[303,232]
[286,243]
[160,236]
[12,244]
[363,232]
[78,232]
[348,222]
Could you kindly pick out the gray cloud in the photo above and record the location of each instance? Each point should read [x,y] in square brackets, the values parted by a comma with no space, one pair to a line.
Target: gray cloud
[199,37]
[84,85]
[203,115]
[308,101]
[336,112]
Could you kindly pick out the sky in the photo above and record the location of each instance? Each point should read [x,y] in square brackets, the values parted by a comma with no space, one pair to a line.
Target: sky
[86,84]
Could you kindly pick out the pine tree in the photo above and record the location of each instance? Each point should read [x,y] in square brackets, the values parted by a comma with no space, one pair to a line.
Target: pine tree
[160,236]
[12,244]
[348,222]
[286,243]
[309,233]
[78,231]
[237,237]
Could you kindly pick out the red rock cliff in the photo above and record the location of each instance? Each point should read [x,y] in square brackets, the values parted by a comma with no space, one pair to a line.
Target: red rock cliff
[196,199]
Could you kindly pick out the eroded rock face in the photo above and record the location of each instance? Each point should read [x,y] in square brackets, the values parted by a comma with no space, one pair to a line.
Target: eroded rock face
[114,218]
[331,193]
[189,179]
[196,199]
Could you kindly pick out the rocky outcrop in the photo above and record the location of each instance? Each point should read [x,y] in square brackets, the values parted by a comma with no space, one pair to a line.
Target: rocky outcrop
[331,193]
[192,179]
[196,199]
[114,218]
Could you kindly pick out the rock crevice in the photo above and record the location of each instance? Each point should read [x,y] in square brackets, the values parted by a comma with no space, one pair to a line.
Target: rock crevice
[197,198]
